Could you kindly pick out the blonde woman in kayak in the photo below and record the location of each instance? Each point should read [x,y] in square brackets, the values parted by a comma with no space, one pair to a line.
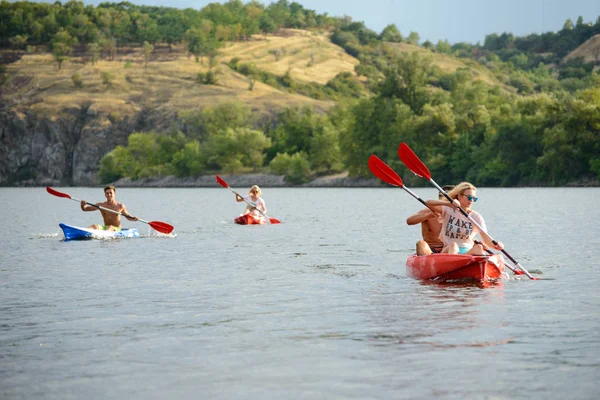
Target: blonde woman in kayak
[457,230]
[253,197]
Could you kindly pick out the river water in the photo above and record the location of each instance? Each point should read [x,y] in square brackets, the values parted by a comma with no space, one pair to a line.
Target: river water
[318,307]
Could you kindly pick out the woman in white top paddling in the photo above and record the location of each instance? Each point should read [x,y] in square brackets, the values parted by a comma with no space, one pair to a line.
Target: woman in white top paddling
[259,209]
[457,230]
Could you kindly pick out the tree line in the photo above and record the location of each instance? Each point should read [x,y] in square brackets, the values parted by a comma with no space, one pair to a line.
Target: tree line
[538,126]
[471,131]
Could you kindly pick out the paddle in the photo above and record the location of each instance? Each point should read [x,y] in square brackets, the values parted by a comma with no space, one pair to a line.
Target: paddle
[410,159]
[384,172]
[225,185]
[161,227]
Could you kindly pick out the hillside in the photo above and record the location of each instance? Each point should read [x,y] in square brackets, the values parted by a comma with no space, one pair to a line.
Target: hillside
[59,123]
[56,131]
[309,56]
[449,64]
[589,51]
[169,80]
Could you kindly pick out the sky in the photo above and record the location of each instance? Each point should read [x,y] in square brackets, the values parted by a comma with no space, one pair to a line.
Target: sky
[453,20]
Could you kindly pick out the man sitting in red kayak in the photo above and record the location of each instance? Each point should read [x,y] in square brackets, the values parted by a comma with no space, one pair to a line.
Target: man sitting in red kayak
[431,226]
[259,209]
[112,221]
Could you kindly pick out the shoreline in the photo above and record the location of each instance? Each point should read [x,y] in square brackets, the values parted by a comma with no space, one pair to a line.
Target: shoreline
[263,180]
[340,180]
[247,180]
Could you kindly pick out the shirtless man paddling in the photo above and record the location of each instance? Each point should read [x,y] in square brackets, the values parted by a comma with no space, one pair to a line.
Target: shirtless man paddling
[431,227]
[112,221]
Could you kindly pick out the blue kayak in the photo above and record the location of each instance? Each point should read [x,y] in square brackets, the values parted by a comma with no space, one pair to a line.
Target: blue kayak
[78,233]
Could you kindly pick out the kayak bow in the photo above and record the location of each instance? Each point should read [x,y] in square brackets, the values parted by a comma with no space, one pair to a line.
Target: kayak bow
[78,233]
[248,219]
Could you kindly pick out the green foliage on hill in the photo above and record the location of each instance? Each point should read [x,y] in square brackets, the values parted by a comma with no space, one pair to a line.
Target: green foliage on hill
[513,111]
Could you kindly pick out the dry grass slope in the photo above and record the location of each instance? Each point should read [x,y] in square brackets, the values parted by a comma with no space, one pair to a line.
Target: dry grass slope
[589,50]
[309,57]
[169,80]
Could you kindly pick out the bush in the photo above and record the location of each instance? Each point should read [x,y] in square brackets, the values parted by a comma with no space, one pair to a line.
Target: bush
[595,166]
[77,81]
[107,78]
[295,168]
[210,78]
[233,63]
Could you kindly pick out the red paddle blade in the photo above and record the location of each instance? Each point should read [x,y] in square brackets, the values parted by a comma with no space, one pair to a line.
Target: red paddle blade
[410,159]
[222,182]
[57,193]
[274,220]
[161,227]
[383,171]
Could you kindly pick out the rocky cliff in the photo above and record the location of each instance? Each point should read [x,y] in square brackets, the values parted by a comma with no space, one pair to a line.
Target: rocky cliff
[64,148]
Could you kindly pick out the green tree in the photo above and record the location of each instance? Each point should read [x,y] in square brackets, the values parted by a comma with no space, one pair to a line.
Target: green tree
[147,29]
[391,34]
[212,120]
[94,49]
[172,27]
[18,42]
[443,47]
[267,25]
[325,155]
[148,49]
[295,168]
[413,38]
[189,161]
[252,145]
[406,79]
[62,46]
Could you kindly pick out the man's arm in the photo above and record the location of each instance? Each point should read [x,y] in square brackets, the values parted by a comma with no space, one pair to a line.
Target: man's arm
[419,217]
[126,214]
[87,207]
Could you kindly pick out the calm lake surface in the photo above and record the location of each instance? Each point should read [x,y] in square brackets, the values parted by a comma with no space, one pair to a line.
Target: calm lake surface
[318,307]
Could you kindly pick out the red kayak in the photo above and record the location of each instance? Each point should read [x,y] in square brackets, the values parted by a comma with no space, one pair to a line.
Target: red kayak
[449,267]
[248,219]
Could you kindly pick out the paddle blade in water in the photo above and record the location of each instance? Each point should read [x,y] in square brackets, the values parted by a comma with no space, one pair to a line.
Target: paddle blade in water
[57,193]
[161,227]
[274,220]
[383,171]
[222,182]
[410,159]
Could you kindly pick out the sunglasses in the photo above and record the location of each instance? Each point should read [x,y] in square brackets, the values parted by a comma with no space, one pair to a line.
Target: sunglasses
[471,198]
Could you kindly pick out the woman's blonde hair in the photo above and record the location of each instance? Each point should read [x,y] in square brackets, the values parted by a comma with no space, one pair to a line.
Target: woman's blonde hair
[258,191]
[460,188]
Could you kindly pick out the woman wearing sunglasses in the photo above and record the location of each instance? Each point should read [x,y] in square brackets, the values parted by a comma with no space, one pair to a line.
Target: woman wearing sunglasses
[457,230]
[253,197]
